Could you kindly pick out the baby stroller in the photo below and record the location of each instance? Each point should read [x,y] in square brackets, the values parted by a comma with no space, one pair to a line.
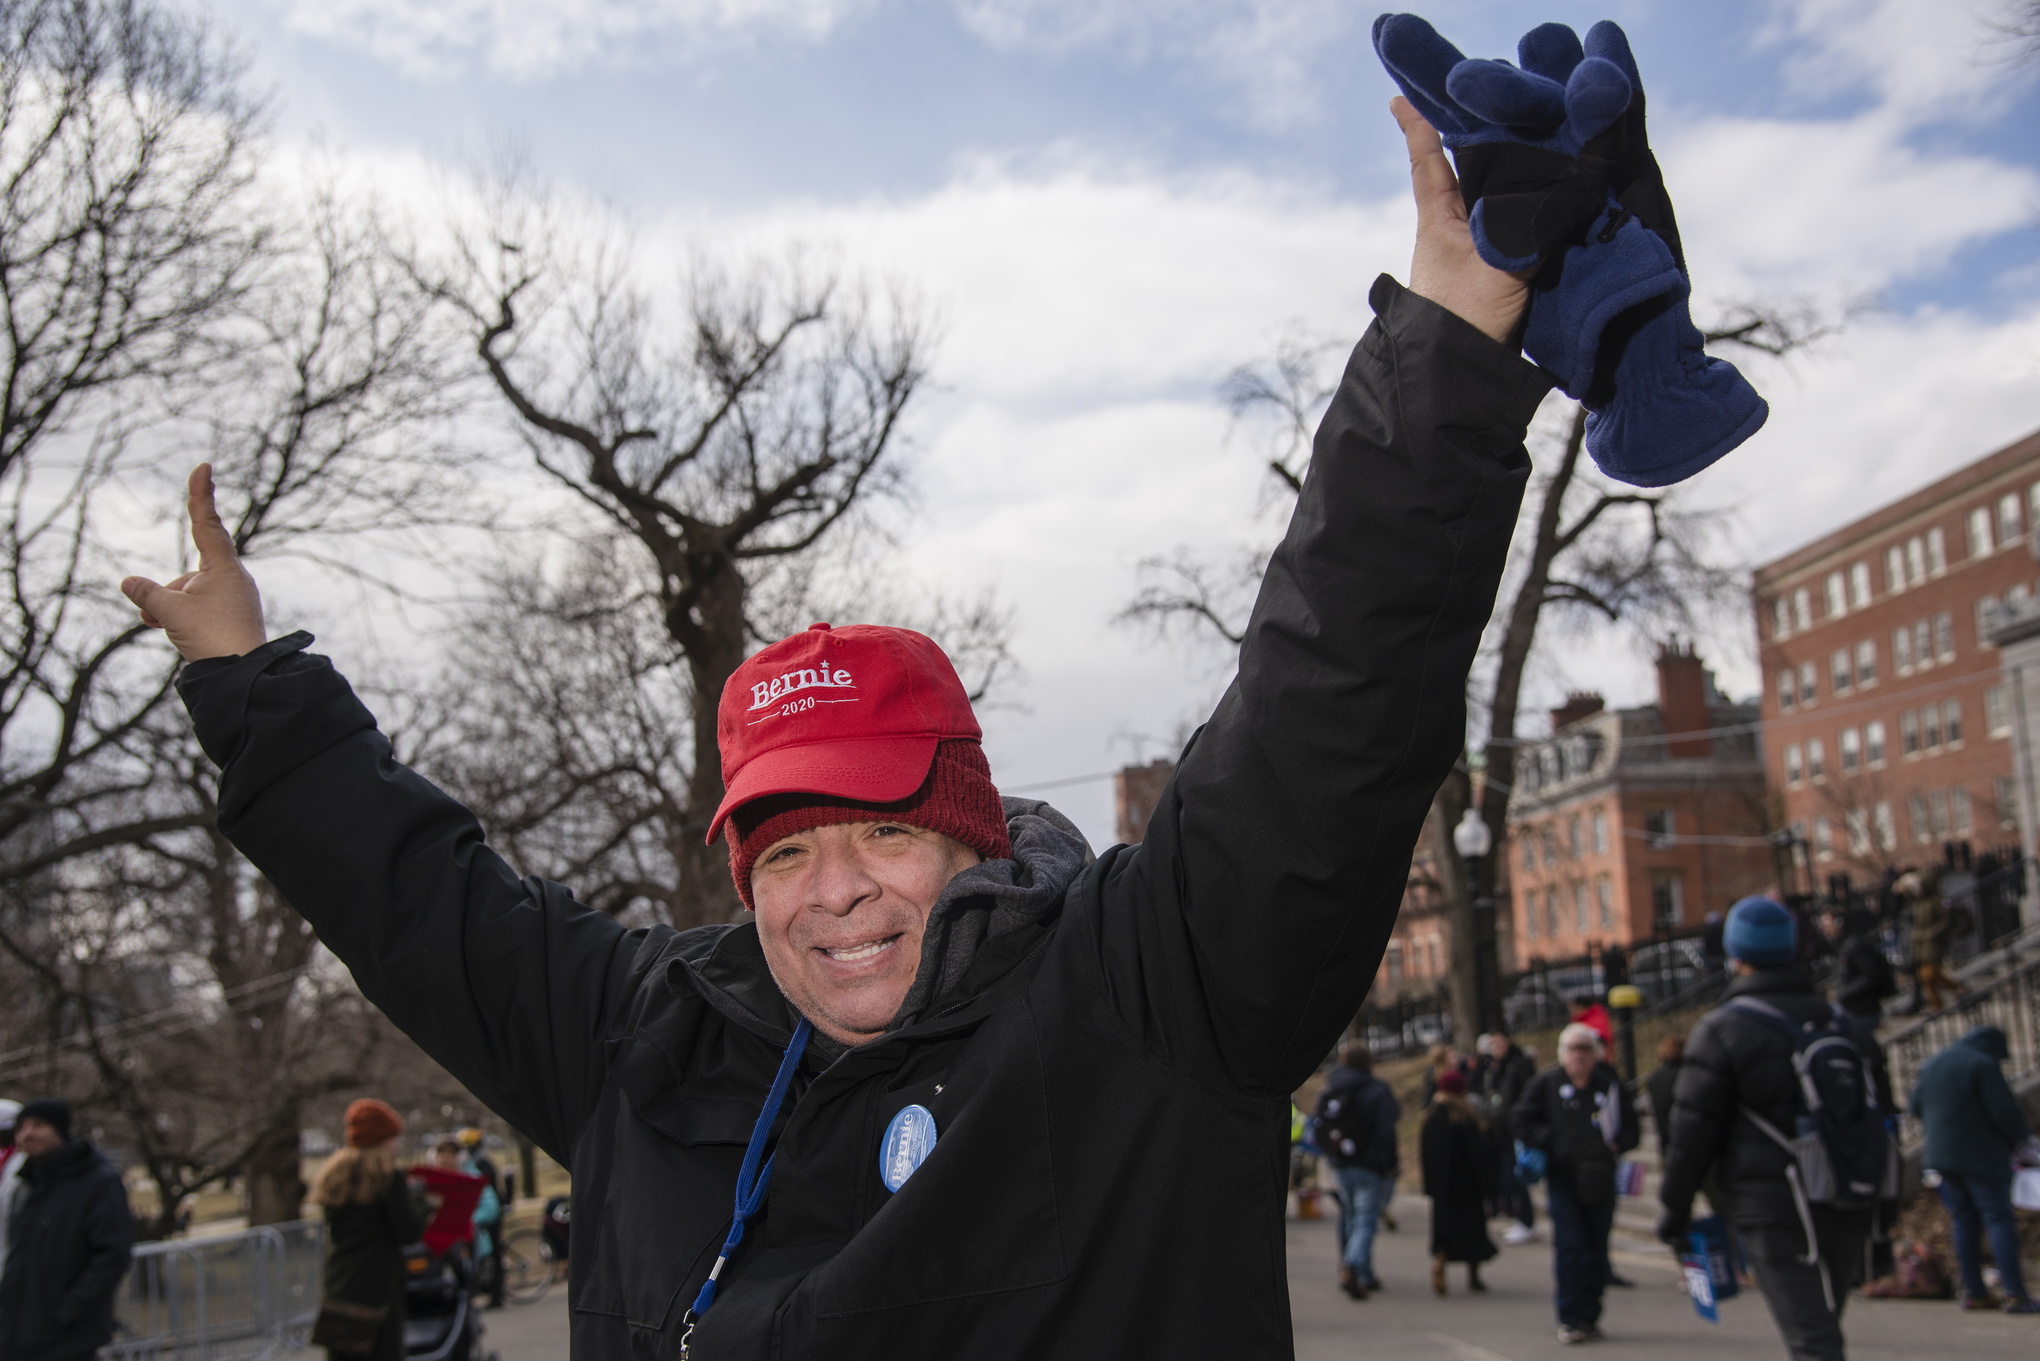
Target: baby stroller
[441,1322]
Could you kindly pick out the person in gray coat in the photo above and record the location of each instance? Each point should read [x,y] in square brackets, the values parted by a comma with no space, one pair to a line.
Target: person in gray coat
[1973,1122]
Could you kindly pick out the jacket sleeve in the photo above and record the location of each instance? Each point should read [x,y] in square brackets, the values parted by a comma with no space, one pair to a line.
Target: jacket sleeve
[1703,1106]
[2001,1107]
[403,1210]
[1243,932]
[508,983]
[1530,1122]
[1387,1148]
[1631,1132]
[108,1235]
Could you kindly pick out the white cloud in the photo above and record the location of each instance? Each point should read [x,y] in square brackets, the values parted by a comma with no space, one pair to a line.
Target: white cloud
[532,38]
[1926,59]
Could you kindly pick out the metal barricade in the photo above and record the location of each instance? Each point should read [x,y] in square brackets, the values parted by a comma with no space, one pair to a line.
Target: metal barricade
[247,1296]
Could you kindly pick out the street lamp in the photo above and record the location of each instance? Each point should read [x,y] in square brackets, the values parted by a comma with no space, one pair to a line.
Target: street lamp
[1472,839]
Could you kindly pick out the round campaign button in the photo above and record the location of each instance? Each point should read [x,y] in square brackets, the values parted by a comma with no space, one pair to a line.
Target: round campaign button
[908,1141]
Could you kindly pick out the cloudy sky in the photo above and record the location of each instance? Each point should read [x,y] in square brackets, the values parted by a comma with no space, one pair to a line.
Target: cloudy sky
[1110,203]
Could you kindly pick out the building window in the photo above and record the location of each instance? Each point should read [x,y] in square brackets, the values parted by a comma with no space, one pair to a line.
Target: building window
[1937,553]
[1961,817]
[1572,837]
[1841,671]
[2008,528]
[1793,769]
[1873,743]
[1986,619]
[1816,759]
[1788,691]
[1915,561]
[1807,682]
[1901,651]
[1835,595]
[1951,722]
[1579,905]
[1859,586]
[1550,846]
[1944,636]
[1551,911]
[1781,618]
[1909,733]
[1930,726]
[1916,809]
[1658,828]
[1605,891]
[1823,838]
[1530,849]
[1802,610]
[1667,901]
[1979,532]
[1866,662]
[1852,751]
[1887,833]
[1395,961]
[1858,822]
[1894,564]
[1937,809]
[2033,503]
[1997,711]
[1600,832]
[1923,645]
[2006,790]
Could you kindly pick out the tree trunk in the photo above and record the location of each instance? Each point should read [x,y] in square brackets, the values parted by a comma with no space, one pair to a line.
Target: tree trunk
[714,644]
[274,1171]
[1463,972]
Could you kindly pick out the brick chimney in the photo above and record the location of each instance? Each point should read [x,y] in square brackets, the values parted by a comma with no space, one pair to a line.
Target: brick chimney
[1578,704]
[1135,792]
[1682,701]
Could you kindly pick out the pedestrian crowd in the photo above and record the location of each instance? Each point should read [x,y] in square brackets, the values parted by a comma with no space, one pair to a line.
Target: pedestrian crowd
[1777,1128]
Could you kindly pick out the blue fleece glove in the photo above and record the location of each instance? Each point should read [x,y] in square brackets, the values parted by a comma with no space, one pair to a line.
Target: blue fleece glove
[1536,156]
[1555,166]
[1531,1164]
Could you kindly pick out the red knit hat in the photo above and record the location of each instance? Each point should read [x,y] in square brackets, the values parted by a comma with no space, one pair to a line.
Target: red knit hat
[371,1122]
[957,799]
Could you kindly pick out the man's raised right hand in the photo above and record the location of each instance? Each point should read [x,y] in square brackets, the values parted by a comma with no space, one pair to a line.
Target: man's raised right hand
[215,611]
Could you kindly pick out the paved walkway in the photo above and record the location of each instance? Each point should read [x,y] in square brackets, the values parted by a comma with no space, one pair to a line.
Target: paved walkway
[1514,1322]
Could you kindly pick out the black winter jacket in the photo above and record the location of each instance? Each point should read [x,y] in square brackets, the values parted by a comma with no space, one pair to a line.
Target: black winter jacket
[1346,1087]
[1866,977]
[1499,1085]
[1732,1060]
[1562,1120]
[69,1247]
[1110,1082]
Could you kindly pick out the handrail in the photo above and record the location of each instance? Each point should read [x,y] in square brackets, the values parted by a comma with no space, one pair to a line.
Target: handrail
[2010,1001]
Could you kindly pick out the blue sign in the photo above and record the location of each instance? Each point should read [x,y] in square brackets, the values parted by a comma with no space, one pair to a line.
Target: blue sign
[908,1141]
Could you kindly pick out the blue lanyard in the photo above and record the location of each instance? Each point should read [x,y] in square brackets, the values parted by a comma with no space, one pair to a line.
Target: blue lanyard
[752,1178]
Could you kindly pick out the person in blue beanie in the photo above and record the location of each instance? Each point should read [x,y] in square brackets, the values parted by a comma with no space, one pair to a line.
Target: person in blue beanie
[1973,1123]
[1740,1076]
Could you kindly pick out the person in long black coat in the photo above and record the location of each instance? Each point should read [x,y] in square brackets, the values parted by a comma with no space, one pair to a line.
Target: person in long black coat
[1459,1179]
[371,1217]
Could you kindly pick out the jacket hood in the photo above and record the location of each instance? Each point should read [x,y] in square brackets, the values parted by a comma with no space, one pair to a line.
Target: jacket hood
[1988,1039]
[993,904]
[75,1157]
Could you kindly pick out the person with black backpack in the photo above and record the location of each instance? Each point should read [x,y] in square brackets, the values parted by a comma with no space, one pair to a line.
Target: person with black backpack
[1355,1122]
[1573,1122]
[1787,1098]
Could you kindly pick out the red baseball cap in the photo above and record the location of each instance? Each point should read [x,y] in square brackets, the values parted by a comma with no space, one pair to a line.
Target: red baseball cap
[852,713]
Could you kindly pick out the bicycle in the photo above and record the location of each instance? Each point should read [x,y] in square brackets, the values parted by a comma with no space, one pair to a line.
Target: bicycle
[529,1265]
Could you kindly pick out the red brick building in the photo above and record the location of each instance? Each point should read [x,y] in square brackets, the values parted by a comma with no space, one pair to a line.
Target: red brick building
[1886,723]
[1626,821]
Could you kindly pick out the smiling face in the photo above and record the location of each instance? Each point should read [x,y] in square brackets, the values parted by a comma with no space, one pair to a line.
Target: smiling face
[840,912]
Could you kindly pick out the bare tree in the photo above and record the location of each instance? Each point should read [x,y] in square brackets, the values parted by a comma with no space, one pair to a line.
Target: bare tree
[732,439]
[1589,551]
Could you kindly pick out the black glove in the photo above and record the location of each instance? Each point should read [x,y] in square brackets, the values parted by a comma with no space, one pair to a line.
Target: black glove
[1674,1227]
